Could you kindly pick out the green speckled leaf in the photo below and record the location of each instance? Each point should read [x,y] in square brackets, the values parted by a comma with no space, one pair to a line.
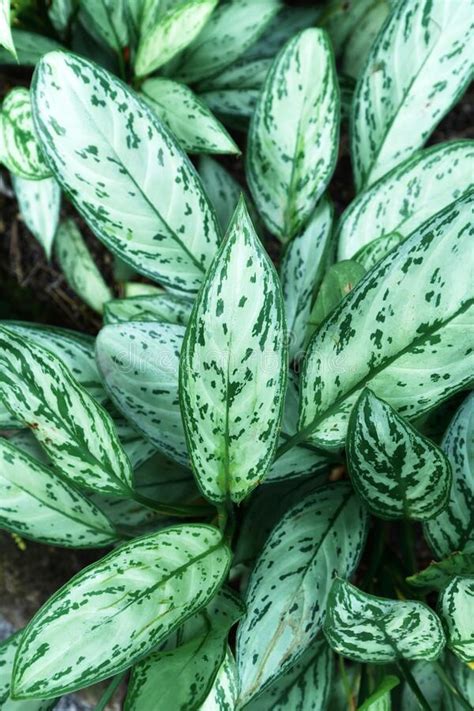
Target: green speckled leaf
[223,695]
[196,129]
[6,39]
[37,503]
[341,17]
[405,310]
[30,48]
[21,151]
[8,650]
[285,24]
[439,573]
[139,364]
[397,472]
[223,190]
[293,138]
[135,596]
[39,202]
[77,434]
[133,185]
[371,253]
[165,308]
[398,103]
[453,529]
[363,36]
[233,106]
[172,32]
[194,660]
[234,354]
[242,74]
[455,606]
[107,20]
[319,538]
[366,628]
[407,196]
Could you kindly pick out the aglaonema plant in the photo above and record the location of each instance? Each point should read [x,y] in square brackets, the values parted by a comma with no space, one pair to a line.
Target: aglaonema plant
[263,451]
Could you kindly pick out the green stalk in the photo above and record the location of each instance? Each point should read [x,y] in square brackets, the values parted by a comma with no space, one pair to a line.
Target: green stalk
[110,691]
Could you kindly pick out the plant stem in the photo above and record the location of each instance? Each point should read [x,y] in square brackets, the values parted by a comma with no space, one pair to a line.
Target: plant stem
[410,680]
[409,545]
[183,511]
[446,681]
[110,691]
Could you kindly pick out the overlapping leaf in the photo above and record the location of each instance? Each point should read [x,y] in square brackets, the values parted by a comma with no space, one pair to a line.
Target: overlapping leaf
[370,254]
[135,596]
[455,607]
[429,684]
[8,650]
[341,18]
[131,182]
[293,137]
[363,36]
[319,538]
[60,13]
[39,202]
[438,574]
[165,308]
[223,695]
[107,20]
[21,152]
[284,25]
[222,189]
[234,354]
[29,47]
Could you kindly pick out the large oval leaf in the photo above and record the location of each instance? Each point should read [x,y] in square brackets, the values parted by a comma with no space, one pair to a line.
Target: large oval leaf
[455,605]
[369,341]
[21,151]
[319,538]
[398,103]
[234,354]
[374,629]
[165,308]
[39,202]
[135,596]
[8,650]
[293,139]
[407,196]
[132,184]
[398,473]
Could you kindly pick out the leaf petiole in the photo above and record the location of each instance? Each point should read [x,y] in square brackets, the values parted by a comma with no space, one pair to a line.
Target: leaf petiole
[411,681]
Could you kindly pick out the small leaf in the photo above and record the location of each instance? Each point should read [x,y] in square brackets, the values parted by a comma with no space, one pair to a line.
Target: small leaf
[6,39]
[234,353]
[79,268]
[30,48]
[398,104]
[398,472]
[165,308]
[293,136]
[107,20]
[223,695]
[136,596]
[285,24]
[39,202]
[133,288]
[319,538]
[370,254]
[171,33]
[223,190]
[455,607]
[363,36]
[341,18]
[438,574]
[60,13]
[8,650]
[366,628]
[21,151]
[381,695]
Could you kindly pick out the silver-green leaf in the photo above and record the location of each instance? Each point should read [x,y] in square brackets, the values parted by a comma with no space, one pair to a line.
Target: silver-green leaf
[165,308]
[223,190]
[107,20]
[6,39]
[39,202]
[21,151]
[8,650]
[455,606]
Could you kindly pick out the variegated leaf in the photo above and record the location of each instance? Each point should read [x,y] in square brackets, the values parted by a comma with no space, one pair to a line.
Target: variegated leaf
[172,32]
[60,13]
[39,202]
[107,20]
[135,288]
[398,472]
[166,308]
[397,103]
[234,353]
[79,268]
[438,574]
[30,47]
[407,196]
[462,676]
[21,151]
[138,449]
[285,24]
[302,269]
[375,629]
[340,18]
[371,253]
[240,75]
[319,538]
[77,434]
[223,695]
[455,606]
[196,129]
[6,39]
[223,190]
[293,139]
[232,28]
[429,683]
[380,699]
[453,529]
[139,364]
[233,106]
[363,36]
[8,650]
[133,185]
[36,503]
[135,596]
[195,660]
[370,341]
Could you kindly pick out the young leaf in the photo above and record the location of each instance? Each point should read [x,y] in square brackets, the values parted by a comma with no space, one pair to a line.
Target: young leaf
[223,190]
[39,202]
[232,28]
[453,529]
[166,308]
[363,36]
[6,39]
[195,661]
[30,47]
[130,183]
[366,341]
[398,472]
[8,650]
[302,270]
[455,607]
[340,18]
[36,503]
[293,136]
[135,596]
[438,574]
[234,353]
[79,268]
[107,20]
[196,129]
[370,254]
[387,123]
[374,629]
[139,365]
[223,695]
[21,152]
[75,431]
[173,31]
[407,196]
[319,538]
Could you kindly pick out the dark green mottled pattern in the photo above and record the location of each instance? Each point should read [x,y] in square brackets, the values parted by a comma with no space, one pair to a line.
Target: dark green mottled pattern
[7,655]
[318,539]
[21,151]
[366,628]
[165,308]
[439,573]
[456,606]
[233,367]
[398,472]
[117,610]
[223,695]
